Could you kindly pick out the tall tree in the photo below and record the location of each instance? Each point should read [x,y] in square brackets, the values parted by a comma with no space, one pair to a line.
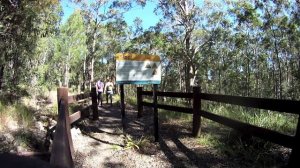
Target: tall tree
[20,26]
[73,41]
[182,17]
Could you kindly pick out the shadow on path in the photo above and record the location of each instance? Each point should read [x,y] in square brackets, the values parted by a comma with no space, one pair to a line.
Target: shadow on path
[14,161]
[171,148]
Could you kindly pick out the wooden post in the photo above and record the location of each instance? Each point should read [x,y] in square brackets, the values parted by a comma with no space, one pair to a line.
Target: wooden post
[139,99]
[196,112]
[122,96]
[94,103]
[293,161]
[155,112]
[62,151]
[122,100]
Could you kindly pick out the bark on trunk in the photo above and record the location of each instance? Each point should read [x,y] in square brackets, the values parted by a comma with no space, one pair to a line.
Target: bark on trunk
[187,78]
[84,74]
[66,75]
[1,76]
[93,59]
[180,78]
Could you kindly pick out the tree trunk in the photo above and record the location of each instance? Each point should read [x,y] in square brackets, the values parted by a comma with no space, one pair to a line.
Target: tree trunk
[92,73]
[93,59]
[84,74]
[66,80]
[165,78]
[1,76]
[279,68]
[219,78]
[187,78]
[66,75]
[180,77]
[194,73]
[274,80]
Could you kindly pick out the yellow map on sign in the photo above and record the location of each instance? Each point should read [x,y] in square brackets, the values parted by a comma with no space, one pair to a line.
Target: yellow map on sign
[136,57]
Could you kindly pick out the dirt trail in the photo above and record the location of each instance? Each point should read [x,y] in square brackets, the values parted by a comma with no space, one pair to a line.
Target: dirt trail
[104,143]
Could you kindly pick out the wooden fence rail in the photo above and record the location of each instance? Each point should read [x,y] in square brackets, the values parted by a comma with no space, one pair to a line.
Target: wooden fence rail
[62,152]
[287,106]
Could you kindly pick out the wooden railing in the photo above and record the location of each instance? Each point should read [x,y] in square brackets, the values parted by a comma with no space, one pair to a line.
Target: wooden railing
[288,106]
[62,152]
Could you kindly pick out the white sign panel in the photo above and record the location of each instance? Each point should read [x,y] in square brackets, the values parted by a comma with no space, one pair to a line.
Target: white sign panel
[137,69]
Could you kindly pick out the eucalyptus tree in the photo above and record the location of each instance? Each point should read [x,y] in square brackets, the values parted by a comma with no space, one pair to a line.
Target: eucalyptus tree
[21,24]
[182,17]
[44,71]
[73,47]
[267,29]
[136,36]
[96,15]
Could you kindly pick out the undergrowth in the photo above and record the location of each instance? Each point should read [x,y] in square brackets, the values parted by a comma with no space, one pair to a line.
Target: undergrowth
[15,112]
[137,144]
[245,149]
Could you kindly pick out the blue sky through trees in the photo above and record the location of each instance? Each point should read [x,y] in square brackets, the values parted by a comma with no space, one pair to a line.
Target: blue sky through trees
[145,13]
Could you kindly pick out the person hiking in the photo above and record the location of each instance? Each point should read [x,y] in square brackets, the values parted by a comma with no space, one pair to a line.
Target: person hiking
[99,88]
[109,91]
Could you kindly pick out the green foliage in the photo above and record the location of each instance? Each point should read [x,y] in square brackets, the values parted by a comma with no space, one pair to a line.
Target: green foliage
[285,123]
[24,114]
[16,112]
[131,143]
[209,139]
[28,139]
[131,100]
[247,151]
[21,26]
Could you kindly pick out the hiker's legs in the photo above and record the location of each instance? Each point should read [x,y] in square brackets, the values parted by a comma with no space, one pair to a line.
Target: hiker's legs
[110,97]
[100,98]
[107,94]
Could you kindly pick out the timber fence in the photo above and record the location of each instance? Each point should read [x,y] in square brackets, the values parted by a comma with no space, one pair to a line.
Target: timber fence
[62,153]
[287,106]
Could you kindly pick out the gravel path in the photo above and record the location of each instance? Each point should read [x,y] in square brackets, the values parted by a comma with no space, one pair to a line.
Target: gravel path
[104,143]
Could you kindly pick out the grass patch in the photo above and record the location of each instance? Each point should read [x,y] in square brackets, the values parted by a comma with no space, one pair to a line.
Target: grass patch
[208,139]
[137,144]
[24,114]
[281,122]
[131,100]
[16,112]
[166,114]
[28,140]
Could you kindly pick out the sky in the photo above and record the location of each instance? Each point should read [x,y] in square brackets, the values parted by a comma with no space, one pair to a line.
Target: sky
[146,14]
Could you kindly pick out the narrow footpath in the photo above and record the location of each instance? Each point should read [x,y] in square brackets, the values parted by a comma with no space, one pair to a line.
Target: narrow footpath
[104,143]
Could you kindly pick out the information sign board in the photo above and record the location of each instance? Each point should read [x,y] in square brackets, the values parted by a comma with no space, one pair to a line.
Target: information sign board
[137,69]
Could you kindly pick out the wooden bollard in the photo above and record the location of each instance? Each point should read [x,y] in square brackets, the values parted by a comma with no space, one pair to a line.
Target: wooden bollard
[122,97]
[155,112]
[62,153]
[293,161]
[94,103]
[196,112]
[139,98]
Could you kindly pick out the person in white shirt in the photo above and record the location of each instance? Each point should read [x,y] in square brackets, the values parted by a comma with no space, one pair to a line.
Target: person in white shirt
[99,88]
